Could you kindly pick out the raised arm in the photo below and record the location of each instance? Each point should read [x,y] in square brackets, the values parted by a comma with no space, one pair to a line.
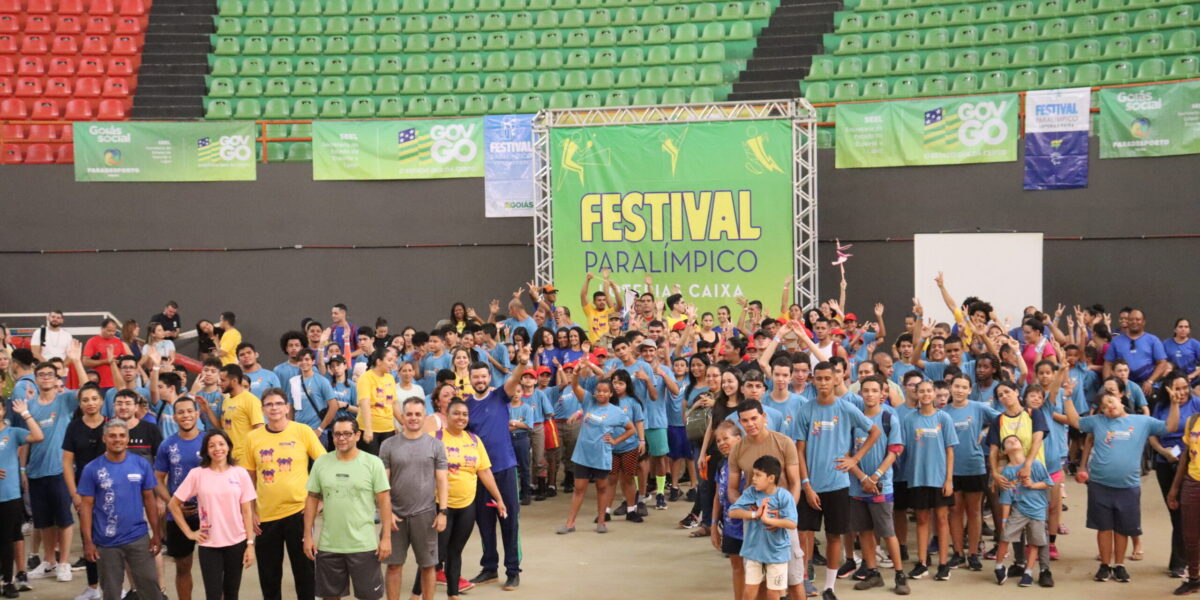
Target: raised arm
[785,302]
[940,279]
[882,333]
[617,298]
[583,293]
[513,384]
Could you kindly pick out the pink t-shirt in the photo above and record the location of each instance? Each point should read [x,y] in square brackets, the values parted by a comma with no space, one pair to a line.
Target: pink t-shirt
[1032,356]
[220,497]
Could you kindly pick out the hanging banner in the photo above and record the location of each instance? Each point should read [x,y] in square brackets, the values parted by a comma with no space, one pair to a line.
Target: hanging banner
[143,151]
[1150,120]
[412,149]
[941,131]
[508,165]
[703,206]
[1056,138]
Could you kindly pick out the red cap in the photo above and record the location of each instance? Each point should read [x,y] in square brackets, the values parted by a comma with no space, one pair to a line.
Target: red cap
[680,326]
[572,364]
[850,317]
[837,331]
[751,346]
[543,370]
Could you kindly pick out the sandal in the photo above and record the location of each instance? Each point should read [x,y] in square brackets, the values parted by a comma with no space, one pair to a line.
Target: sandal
[700,532]
[1137,555]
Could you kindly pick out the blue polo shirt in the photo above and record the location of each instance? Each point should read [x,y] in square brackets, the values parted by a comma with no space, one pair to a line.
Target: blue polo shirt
[1142,354]
[489,420]
[261,380]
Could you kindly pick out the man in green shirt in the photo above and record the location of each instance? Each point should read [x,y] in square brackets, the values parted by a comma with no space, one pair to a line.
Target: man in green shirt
[353,485]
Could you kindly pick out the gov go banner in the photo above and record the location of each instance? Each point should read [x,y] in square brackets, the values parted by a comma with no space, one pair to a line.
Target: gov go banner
[942,131]
[414,149]
[1150,120]
[132,151]
[1056,138]
[705,206]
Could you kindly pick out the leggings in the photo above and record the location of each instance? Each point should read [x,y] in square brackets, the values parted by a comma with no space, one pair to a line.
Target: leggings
[706,491]
[12,515]
[1166,476]
[1189,504]
[460,522]
[221,569]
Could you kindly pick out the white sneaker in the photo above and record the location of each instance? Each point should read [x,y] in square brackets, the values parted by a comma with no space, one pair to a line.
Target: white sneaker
[89,593]
[884,560]
[42,571]
[63,571]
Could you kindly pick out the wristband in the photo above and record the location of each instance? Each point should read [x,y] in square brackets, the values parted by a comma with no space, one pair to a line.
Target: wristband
[26,415]
[804,481]
[877,473]
[864,478]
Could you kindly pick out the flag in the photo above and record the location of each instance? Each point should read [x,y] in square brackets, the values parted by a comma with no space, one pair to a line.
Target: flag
[941,131]
[414,146]
[207,150]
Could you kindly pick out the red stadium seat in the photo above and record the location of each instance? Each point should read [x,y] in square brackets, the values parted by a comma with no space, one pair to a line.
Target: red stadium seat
[66,154]
[39,154]
[31,65]
[34,44]
[125,46]
[67,133]
[61,66]
[58,87]
[11,6]
[45,110]
[120,67]
[70,7]
[101,7]
[133,8]
[68,24]
[87,87]
[39,7]
[6,86]
[98,25]
[12,131]
[7,67]
[10,154]
[78,110]
[8,44]
[90,66]
[9,24]
[28,87]
[115,87]
[42,133]
[111,110]
[129,26]
[94,45]
[39,24]
[13,109]
[65,45]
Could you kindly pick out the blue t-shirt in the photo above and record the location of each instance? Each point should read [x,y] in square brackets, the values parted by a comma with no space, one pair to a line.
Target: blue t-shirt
[538,406]
[984,394]
[758,543]
[1087,383]
[969,421]
[1184,356]
[118,516]
[639,386]
[11,438]
[675,409]
[263,379]
[731,527]
[1175,439]
[1117,451]
[111,395]
[656,410]
[899,370]
[177,457]
[312,395]
[430,365]
[926,438]
[775,421]
[590,448]
[528,323]
[214,400]
[489,420]
[1054,443]
[789,408]
[891,435]
[937,370]
[1142,354]
[566,404]
[828,433]
[1029,502]
[523,413]
[636,414]
[899,468]
[25,387]
[345,392]
[284,372]
[500,353]
[45,457]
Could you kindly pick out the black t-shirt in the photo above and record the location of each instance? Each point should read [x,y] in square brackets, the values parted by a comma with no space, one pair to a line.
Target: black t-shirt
[145,439]
[85,442]
[168,323]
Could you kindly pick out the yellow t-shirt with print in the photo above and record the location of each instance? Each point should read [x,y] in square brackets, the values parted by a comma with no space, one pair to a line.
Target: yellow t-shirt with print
[280,464]
[239,415]
[597,320]
[376,396]
[465,456]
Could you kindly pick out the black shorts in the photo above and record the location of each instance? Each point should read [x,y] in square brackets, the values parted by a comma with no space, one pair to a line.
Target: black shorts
[835,511]
[12,516]
[925,498]
[900,501]
[51,502]
[590,474]
[970,483]
[731,546]
[177,544]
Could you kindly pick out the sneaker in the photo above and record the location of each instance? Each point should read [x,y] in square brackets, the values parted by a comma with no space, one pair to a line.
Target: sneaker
[943,573]
[901,588]
[1189,586]
[986,531]
[79,565]
[1001,575]
[63,572]
[464,585]
[863,573]
[918,571]
[675,494]
[818,559]
[1053,552]
[33,562]
[129,595]
[1104,573]
[552,492]
[1120,574]
[872,580]
[10,591]
[633,516]
[1016,570]
[1177,573]
[990,554]
[621,510]
[41,571]
[526,501]
[903,552]
[690,496]
[602,528]
[441,577]
[828,595]
[1026,579]
[846,569]
[1046,579]
[89,593]
[810,590]
[23,582]
[511,583]
[956,561]
[660,502]
[641,509]
[882,558]
[485,576]
[973,562]
[689,522]
[564,530]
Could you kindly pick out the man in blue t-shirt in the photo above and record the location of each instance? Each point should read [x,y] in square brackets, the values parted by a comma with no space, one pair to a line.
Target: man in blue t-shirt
[261,379]
[117,489]
[488,408]
[1141,350]
[177,456]
[48,495]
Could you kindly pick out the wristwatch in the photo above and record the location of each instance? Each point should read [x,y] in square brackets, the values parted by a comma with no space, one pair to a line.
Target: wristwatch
[442,511]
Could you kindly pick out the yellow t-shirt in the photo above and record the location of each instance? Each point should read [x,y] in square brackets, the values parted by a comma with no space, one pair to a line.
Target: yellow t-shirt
[239,415]
[376,396]
[963,333]
[1191,439]
[465,455]
[597,320]
[229,343]
[280,463]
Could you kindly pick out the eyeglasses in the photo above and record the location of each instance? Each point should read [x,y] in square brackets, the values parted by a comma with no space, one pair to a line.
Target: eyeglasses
[344,434]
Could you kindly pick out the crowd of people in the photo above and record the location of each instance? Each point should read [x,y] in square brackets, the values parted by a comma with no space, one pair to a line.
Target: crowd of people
[773,428]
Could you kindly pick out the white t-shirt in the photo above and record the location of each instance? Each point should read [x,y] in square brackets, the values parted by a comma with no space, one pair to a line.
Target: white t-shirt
[55,345]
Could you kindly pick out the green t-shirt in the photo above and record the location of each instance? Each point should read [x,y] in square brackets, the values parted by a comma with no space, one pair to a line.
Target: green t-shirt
[349,489]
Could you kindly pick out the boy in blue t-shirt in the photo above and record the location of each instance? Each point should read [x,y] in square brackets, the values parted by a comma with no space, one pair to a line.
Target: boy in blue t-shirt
[520,426]
[1028,497]
[768,511]
[727,532]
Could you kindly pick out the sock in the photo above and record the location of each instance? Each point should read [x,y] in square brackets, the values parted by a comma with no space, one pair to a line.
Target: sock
[999,565]
[1028,571]
[1053,538]
[830,578]
[661,480]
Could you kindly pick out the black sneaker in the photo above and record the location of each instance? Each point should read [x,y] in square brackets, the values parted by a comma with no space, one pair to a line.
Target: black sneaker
[526,501]
[1026,579]
[1177,572]
[1046,578]
[956,561]
[690,496]
[1016,570]
[551,492]
[23,582]
[689,522]
[485,576]
[33,562]
[863,573]
[943,573]
[675,494]
[918,571]
[872,580]
[1120,574]
[79,565]
[511,583]
[1104,573]
[903,552]
[1189,586]
[660,502]
[633,516]
[641,509]
[817,558]
[846,569]
[10,591]
[621,510]
[828,595]
[901,588]
[985,531]
[990,554]
[539,496]
[973,562]
[1001,575]
[567,488]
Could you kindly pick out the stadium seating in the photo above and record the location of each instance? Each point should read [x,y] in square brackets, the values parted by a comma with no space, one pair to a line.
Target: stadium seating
[305,59]
[908,48]
[70,60]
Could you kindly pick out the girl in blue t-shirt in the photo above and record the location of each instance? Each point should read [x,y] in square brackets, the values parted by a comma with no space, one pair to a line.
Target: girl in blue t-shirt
[345,394]
[626,455]
[727,531]
[603,426]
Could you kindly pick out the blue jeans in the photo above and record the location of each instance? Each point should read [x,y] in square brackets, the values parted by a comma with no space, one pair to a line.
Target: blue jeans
[486,517]
[521,445]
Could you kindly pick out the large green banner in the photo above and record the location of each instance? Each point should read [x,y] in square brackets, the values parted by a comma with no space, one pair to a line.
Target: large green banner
[940,131]
[415,149]
[705,206]
[1150,120]
[133,151]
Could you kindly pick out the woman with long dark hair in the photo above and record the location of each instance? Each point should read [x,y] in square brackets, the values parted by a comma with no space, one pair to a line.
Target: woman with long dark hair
[1169,450]
[728,396]
[207,337]
[1184,495]
[626,454]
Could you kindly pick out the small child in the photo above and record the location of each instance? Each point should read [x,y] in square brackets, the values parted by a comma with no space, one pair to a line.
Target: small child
[520,426]
[727,531]
[768,511]
[1028,497]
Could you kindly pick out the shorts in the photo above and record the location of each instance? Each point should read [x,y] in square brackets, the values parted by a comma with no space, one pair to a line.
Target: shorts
[12,516]
[872,516]
[416,531]
[1057,476]
[656,442]
[590,474]
[177,544]
[334,572]
[797,571]
[970,484]
[900,501]
[1114,509]
[925,498]
[626,463]
[1034,530]
[678,445]
[835,511]
[775,574]
[729,546]
[51,502]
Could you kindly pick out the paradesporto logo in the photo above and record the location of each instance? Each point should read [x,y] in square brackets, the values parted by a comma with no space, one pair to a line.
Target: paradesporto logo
[1140,128]
[112,157]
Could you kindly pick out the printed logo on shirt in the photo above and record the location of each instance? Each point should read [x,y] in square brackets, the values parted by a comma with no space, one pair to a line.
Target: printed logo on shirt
[963,425]
[819,426]
[928,432]
[3,442]
[134,477]
[1118,435]
[48,421]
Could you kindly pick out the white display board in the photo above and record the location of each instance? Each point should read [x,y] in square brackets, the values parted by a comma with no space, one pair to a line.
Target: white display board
[1004,269]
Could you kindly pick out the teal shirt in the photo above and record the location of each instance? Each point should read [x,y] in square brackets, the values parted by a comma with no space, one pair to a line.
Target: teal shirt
[969,422]
[769,547]
[1117,451]
[1029,502]
[926,438]
[890,435]
[828,433]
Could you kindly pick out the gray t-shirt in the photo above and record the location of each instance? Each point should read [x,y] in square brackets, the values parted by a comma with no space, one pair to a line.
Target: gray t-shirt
[412,464]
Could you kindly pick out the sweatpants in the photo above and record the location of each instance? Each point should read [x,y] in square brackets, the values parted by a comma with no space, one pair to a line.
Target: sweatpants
[287,532]
[137,558]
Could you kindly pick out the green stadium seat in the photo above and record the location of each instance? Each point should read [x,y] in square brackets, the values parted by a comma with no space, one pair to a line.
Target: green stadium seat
[908,19]
[389,25]
[994,34]
[1086,25]
[277,109]
[441,84]
[257,26]
[965,83]
[304,86]
[1087,50]
[845,90]
[284,8]
[390,65]
[416,64]
[1152,69]
[877,22]
[1117,22]
[878,66]
[334,8]
[605,36]
[550,60]
[308,8]
[817,92]
[732,11]
[332,86]
[475,105]
[308,25]
[1026,56]
[335,66]
[631,57]
[220,88]
[617,98]
[468,23]
[906,63]
[531,103]
[1077,7]
[548,81]
[865,5]
[936,85]
[1185,67]
[337,26]
[876,89]
[994,81]
[284,26]
[419,106]
[686,33]
[962,15]
[551,39]
[559,100]
[224,67]
[414,84]
[674,96]
[938,37]
[656,77]
[252,67]
[360,86]
[257,8]
[504,104]
[713,32]
[823,67]
[879,42]
[936,17]
[574,80]
[1054,29]
[231,8]
[1118,72]
[249,88]
[627,16]
[494,84]
[604,59]
[907,40]
[683,76]
[967,60]
[653,15]
[1182,41]
[680,13]
[1118,47]
[247,109]
[286,46]
[937,61]
[387,85]
[629,78]
[1150,18]
[1025,79]
[446,106]
[588,100]
[300,152]
[1087,74]
[410,7]
[361,7]
[1056,53]
[1056,77]
[905,87]
[363,44]
[1049,9]
[441,24]
[1150,44]
[278,130]
[304,109]
[1019,10]
[445,63]
[497,40]
[658,55]
[520,82]
[965,35]
[996,58]
[227,46]
[228,26]
[1179,16]
[602,80]
[362,26]
[710,75]
[850,23]
[416,24]
[362,65]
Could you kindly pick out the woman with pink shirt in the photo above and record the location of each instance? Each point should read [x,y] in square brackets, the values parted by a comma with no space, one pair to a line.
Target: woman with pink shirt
[1036,347]
[224,493]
